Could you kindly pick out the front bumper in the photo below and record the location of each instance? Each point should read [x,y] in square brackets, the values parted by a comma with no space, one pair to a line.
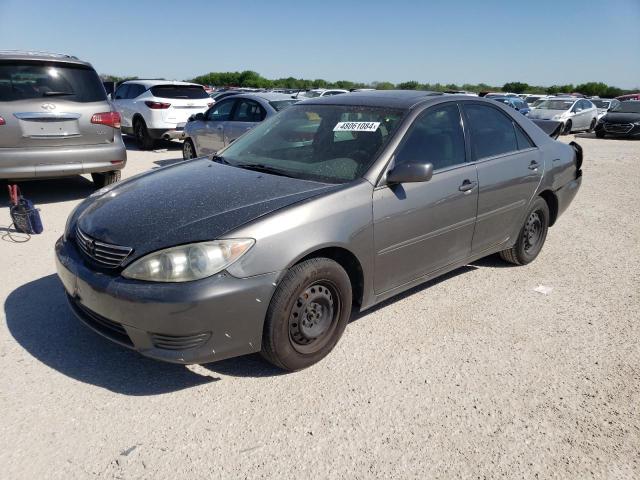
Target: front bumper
[49,162]
[618,130]
[193,322]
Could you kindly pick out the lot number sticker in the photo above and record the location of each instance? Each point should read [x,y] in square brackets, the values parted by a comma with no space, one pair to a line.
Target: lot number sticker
[356,127]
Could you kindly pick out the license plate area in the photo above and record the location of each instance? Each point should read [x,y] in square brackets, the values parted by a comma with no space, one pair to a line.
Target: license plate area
[48,128]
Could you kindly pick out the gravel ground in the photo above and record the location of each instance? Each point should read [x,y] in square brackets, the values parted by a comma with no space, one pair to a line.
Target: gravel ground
[475,375]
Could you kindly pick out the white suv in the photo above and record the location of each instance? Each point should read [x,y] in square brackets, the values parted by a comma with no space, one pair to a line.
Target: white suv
[157,109]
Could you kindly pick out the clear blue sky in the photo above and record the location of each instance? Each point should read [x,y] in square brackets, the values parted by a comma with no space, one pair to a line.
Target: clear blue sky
[540,42]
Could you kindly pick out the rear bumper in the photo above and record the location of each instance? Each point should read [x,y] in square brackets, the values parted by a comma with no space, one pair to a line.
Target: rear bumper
[161,133]
[193,322]
[48,162]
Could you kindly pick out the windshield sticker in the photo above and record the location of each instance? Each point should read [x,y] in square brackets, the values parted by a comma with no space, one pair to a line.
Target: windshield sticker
[356,127]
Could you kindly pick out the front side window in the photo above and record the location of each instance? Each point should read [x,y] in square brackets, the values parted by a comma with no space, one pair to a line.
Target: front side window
[435,137]
[492,132]
[27,80]
[248,111]
[221,112]
[326,143]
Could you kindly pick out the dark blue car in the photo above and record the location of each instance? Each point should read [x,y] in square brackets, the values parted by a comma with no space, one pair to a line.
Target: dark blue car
[514,102]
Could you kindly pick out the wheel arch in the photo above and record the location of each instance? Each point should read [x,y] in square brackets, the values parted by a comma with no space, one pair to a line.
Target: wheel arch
[552,202]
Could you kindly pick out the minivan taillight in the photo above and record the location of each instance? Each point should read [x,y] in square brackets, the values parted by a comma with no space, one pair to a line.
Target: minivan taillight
[111,119]
[2,122]
[157,105]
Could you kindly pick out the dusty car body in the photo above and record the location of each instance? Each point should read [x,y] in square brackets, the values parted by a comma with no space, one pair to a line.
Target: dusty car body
[356,198]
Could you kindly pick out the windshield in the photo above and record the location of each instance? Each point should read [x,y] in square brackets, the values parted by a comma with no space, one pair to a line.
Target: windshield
[531,100]
[555,104]
[630,106]
[191,92]
[281,104]
[326,143]
[311,94]
[28,80]
[601,103]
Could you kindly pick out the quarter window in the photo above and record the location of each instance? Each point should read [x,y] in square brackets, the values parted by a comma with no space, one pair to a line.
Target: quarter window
[523,139]
[135,90]
[492,132]
[436,137]
[122,91]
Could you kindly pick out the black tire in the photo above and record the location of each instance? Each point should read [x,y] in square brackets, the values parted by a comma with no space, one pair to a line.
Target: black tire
[592,126]
[307,315]
[567,128]
[532,235]
[188,150]
[143,139]
[107,178]
[599,134]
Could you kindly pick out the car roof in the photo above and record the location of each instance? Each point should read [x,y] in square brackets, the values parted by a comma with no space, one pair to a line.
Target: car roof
[379,98]
[268,96]
[148,83]
[26,55]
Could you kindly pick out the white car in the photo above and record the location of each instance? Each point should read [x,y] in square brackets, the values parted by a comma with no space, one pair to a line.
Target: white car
[604,105]
[575,113]
[158,109]
[321,92]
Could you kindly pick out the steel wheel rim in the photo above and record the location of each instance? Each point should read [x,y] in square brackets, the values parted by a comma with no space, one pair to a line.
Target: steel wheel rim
[188,151]
[314,316]
[533,230]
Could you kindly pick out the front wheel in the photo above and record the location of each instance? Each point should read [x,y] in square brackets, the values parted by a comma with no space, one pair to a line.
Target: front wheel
[307,314]
[531,237]
[188,150]
[592,126]
[567,128]
[107,178]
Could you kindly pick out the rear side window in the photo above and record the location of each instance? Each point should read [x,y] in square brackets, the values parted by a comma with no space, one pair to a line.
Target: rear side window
[436,137]
[248,111]
[492,132]
[41,80]
[135,90]
[193,92]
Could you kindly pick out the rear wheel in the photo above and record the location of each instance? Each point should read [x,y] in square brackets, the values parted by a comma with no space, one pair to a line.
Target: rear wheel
[188,150]
[107,178]
[592,126]
[567,128]
[532,235]
[143,139]
[307,315]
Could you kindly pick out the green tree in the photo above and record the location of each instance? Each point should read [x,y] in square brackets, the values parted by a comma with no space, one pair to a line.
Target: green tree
[411,85]
[515,87]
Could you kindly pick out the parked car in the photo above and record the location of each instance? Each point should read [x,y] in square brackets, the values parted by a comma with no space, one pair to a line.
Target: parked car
[329,207]
[226,120]
[55,120]
[631,96]
[622,120]
[217,96]
[603,105]
[576,114]
[514,102]
[320,92]
[532,98]
[499,95]
[158,109]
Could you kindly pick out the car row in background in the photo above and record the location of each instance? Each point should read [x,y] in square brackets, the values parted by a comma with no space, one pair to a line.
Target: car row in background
[621,120]
[514,102]
[206,133]
[576,114]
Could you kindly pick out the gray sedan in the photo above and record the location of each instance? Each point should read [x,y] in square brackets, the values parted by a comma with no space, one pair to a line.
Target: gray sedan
[208,132]
[327,208]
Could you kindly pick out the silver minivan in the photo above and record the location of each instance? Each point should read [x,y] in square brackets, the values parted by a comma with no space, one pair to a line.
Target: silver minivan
[55,120]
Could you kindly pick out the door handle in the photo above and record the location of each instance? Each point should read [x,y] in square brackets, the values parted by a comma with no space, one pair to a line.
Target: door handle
[467,186]
[533,165]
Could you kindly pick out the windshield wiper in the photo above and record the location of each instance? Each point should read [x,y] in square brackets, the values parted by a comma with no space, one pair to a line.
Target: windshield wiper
[219,159]
[260,167]
[57,94]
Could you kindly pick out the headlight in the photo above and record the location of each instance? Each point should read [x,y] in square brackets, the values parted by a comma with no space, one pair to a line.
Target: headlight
[556,117]
[188,262]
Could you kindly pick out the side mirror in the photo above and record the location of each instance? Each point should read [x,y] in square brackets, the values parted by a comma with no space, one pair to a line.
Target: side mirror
[410,173]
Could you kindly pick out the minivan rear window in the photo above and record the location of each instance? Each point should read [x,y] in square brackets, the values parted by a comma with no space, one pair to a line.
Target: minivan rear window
[25,80]
[179,91]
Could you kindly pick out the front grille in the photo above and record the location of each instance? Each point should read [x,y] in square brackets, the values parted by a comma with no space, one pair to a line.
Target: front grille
[107,327]
[174,342]
[104,254]
[618,127]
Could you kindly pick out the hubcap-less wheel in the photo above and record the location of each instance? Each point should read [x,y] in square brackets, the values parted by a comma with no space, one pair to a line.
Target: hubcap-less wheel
[187,150]
[313,317]
[567,128]
[532,232]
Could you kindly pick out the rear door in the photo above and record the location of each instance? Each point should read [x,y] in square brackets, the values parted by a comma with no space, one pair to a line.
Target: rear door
[246,115]
[183,100]
[50,104]
[510,168]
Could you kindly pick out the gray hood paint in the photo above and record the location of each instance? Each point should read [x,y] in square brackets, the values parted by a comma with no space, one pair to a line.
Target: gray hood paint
[194,201]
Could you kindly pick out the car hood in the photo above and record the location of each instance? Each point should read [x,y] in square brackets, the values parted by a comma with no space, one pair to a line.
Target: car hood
[194,201]
[545,114]
[621,117]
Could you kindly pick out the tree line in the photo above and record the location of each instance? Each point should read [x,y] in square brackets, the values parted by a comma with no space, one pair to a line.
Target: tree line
[249,78]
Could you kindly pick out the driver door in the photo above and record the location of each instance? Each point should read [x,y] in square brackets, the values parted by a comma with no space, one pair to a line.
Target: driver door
[420,228]
[211,138]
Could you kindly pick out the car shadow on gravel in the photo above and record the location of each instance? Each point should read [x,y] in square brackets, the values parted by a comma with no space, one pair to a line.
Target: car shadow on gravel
[51,191]
[170,145]
[40,320]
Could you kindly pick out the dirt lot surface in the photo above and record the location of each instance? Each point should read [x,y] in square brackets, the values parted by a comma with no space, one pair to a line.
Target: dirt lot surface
[475,375]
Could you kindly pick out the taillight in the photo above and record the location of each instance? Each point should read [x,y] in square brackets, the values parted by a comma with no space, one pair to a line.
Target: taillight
[2,122]
[157,105]
[111,119]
